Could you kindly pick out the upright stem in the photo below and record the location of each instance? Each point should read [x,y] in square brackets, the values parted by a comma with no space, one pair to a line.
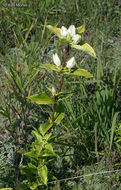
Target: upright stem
[61,83]
[64,64]
[62,80]
[67,53]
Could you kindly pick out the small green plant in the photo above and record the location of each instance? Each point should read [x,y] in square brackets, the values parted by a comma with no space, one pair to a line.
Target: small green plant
[41,151]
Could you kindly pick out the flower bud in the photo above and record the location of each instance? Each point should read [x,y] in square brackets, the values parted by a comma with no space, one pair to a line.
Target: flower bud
[71,63]
[56,59]
[72,30]
[64,31]
[76,38]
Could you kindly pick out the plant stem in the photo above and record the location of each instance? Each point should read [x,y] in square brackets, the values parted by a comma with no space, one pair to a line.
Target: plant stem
[61,82]
[64,64]
[67,53]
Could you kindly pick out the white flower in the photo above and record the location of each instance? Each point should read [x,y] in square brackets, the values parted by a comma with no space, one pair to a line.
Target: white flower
[71,63]
[64,31]
[70,34]
[72,30]
[76,38]
[56,59]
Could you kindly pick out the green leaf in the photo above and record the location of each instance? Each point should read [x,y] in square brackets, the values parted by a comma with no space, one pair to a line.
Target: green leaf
[59,118]
[80,72]
[26,67]
[48,152]
[86,48]
[80,29]
[42,98]
[32,78]
[113,127]
[55,30]
[33,185]
[49,155]
[59,111]
[51,67]
[32,167]
[44,127]
[19,82]
[64,96]
[49,148]
[47,136]
[42,172]
[31,154]
[37,135]
[59,107]
[29,171]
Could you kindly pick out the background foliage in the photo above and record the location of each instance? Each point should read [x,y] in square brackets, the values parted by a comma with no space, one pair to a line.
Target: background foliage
[92,116]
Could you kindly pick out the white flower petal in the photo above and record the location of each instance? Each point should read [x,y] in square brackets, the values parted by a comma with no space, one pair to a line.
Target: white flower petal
[64,31]
[76,38]
[56,59]
[71,63]
[72,30]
